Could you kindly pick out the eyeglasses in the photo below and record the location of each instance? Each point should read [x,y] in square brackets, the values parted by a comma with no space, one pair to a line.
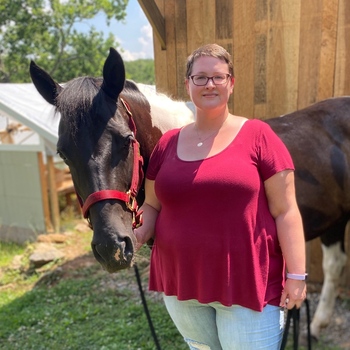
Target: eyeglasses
[201,80]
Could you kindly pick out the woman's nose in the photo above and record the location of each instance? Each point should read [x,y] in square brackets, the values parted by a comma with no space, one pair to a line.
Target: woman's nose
[210,83]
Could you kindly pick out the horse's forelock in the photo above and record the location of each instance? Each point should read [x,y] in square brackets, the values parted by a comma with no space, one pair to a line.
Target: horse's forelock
[77,97]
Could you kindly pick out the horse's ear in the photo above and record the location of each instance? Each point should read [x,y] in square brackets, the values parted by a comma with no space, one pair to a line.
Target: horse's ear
[113,74]
[43,82]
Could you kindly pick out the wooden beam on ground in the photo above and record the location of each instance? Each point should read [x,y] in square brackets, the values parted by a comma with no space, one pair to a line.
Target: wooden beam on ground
[156,19]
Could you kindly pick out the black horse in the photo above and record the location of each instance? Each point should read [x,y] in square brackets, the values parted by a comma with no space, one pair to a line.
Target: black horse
[108,129]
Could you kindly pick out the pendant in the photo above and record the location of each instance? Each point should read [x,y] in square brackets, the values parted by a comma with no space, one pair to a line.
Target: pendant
[199,144]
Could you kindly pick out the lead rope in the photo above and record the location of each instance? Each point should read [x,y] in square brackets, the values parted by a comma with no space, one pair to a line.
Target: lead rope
[295,314]
[144,303]
[137,221]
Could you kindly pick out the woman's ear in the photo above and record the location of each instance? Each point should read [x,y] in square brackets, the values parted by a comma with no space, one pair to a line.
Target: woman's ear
[187,85]
[232,84]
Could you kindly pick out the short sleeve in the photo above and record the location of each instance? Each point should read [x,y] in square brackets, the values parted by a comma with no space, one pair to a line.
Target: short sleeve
[166,144]
[273,155]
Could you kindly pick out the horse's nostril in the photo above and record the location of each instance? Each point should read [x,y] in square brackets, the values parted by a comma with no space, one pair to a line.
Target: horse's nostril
[129,250]
[129,246]
[125,250]
[119,252]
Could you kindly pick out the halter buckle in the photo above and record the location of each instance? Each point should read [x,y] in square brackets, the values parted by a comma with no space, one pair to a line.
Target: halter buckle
[132,203]
[137,219]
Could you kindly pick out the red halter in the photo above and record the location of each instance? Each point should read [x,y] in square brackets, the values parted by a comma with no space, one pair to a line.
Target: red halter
[128,197]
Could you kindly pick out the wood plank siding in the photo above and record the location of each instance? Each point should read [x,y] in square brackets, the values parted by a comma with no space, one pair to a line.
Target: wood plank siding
[287,54]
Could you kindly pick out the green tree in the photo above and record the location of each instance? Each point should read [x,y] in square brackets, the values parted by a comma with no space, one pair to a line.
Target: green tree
[45,30]
[141,71]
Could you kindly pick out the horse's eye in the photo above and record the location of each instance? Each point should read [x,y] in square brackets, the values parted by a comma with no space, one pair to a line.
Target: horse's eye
[62,156]
[128,141]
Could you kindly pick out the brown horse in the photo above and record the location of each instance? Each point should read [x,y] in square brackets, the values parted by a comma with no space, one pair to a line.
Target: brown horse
[318,138]
[108,129]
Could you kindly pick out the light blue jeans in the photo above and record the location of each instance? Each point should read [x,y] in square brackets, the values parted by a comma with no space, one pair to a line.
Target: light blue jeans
[217,327]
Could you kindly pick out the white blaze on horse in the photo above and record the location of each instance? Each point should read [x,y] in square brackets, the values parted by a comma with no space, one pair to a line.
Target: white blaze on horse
[108,129]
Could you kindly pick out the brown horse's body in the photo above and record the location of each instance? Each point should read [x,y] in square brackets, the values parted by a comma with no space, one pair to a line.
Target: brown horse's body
[96,138]
[318,138]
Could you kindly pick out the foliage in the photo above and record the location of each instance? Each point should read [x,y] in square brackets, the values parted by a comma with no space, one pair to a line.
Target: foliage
[140,71]
[46,32]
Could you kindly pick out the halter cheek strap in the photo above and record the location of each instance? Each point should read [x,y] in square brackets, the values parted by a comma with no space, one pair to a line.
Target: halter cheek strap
[128,197]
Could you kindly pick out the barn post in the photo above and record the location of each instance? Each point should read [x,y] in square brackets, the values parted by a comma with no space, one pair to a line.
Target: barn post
[44,187]
[55,213]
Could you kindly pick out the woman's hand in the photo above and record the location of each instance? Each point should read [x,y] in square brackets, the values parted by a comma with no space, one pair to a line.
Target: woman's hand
[294,294]
[140,238]
[150,210]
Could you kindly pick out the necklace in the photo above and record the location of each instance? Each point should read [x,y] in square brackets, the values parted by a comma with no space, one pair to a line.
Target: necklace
[201,142]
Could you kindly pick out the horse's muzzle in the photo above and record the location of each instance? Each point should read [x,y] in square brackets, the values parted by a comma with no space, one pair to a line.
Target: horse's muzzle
[116,258]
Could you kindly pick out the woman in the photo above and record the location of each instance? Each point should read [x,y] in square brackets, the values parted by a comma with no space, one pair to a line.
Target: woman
[221,207]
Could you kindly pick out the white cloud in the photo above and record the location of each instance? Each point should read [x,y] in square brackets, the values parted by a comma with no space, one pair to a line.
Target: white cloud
[145,42]
[147,31]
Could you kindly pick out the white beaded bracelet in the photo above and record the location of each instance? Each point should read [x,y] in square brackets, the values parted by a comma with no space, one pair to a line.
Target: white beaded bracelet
[295,276]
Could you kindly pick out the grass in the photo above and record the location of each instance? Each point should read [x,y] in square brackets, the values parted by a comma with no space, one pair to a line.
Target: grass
[8,251]
[84,308]
[75,314]
[57,307]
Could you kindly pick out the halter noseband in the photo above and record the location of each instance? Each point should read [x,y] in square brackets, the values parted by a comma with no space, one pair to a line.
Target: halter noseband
[129,197]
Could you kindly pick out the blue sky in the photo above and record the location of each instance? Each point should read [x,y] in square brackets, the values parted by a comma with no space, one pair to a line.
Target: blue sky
[134,36]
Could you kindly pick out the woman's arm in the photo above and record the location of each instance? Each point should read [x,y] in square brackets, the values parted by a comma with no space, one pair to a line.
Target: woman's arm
[280,193]
[150,209]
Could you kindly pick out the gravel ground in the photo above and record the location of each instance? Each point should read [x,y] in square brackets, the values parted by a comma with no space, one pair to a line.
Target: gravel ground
[337,333]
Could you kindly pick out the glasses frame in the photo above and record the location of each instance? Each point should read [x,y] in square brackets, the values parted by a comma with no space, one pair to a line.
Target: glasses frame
[228,75]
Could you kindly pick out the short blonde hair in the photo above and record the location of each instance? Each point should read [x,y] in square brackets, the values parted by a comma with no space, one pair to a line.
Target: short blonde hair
[210,50]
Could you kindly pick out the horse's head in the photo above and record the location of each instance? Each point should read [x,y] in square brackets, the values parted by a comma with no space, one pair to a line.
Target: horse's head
[97,141]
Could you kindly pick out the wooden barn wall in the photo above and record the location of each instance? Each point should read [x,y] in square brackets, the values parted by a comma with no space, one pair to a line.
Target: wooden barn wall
[287,55]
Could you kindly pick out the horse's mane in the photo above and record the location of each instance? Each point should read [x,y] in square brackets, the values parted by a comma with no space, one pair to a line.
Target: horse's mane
[78,99]
[131,90]
[167,113]
[80,94]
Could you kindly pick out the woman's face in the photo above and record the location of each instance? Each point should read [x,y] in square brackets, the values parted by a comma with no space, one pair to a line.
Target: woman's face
[211,95]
